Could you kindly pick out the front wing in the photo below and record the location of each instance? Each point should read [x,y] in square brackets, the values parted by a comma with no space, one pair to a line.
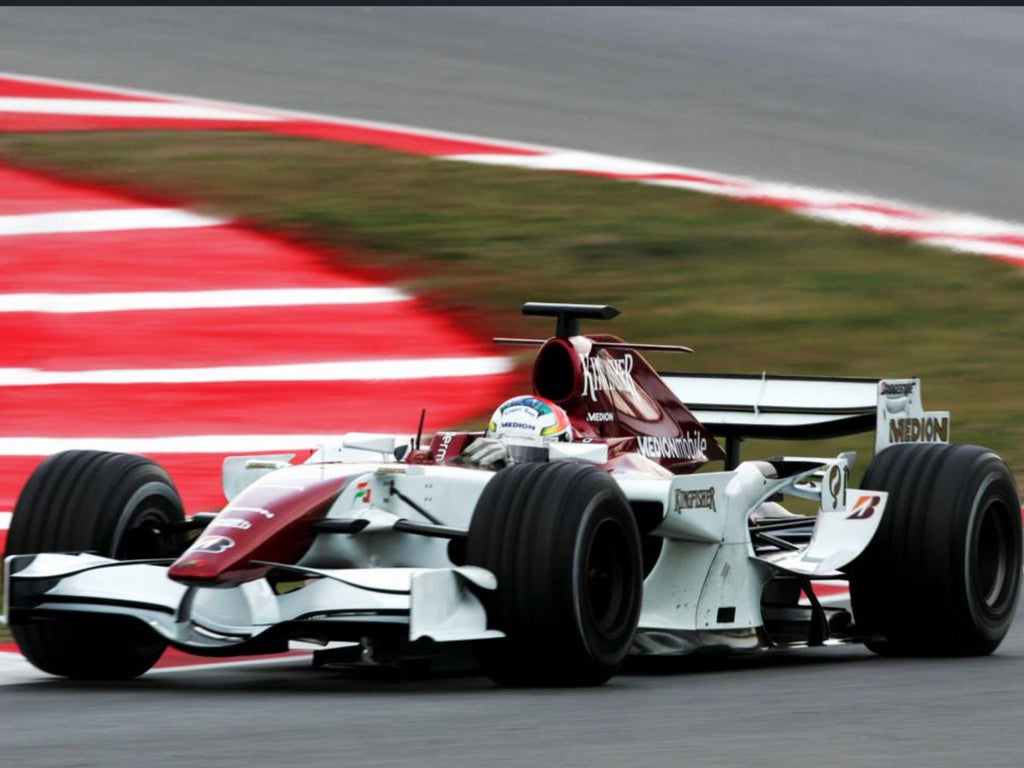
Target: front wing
[439,604]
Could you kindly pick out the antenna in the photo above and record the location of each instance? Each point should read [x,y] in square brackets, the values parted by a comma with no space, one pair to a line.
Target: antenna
[419,432]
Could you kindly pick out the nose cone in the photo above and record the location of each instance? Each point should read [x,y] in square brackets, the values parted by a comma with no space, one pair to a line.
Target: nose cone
[269,521]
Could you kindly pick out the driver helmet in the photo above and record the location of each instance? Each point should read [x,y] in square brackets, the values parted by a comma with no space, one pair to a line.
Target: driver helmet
[528,425]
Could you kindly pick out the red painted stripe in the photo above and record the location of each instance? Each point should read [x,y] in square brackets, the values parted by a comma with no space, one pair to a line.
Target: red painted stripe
[685,177]
[824,589]
[397,140]
[24,89]
[205,258]
[213,337]
[392,139]
[24,193]
[174,658]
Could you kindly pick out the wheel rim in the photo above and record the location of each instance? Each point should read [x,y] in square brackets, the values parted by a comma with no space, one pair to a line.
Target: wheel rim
[992,559]
[142,538]
[607,576]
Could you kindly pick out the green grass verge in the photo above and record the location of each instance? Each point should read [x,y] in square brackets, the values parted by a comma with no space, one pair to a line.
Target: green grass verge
[752,289]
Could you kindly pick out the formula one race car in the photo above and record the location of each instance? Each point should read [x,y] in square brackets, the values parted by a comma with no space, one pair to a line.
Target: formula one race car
[575,530]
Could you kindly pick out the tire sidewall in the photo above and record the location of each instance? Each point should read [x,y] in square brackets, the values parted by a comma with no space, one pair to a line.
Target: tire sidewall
[991,623]
[609,648]
[160,502]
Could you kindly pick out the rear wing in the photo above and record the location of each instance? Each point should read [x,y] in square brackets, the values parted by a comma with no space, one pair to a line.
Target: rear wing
[765,407]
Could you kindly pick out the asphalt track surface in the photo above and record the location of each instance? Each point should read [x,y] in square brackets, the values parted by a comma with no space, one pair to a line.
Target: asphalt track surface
[921,104]
[838,707]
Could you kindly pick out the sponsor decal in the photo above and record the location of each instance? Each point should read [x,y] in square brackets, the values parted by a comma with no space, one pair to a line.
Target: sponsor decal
[903,388]
[605,374]
[363,492]
[213,544]
[926,429]
[517,425]
[703,498]
[835,484]
[864,508]
[691,445]
[190,563]
[601,416]
[231,522]
[446,443]
[519,410]
[255,510]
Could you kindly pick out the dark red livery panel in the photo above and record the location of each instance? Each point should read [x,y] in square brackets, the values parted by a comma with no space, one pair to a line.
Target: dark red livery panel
[269,522]
[614,392]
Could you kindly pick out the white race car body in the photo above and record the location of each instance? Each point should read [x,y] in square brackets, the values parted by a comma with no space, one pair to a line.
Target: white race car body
[366,539]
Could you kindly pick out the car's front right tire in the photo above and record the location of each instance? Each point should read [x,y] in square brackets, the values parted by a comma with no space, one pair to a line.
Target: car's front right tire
[942,574]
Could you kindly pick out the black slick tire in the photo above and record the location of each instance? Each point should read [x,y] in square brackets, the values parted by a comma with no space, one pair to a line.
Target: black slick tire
[942,574]
[111,504]
[563,543]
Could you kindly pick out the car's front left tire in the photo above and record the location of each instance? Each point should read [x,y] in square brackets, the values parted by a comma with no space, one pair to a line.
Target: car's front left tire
[116,505]
[563,543]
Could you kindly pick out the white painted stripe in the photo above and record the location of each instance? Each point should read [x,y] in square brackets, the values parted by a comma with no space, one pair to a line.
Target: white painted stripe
[106,108]
[103,221]
[69,303]
[15,669]
[5,520]
[999,250]
[818,202]
[576,161]
[345,370]
[241,444]
[938,225]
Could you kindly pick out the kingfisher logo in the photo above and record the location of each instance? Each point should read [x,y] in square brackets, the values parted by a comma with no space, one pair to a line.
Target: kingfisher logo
[926,429]
[606,374]
[699,499]
[691,446]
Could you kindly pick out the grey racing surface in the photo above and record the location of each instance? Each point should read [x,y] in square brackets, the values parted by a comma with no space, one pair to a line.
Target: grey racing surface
[837,707]
[921,104]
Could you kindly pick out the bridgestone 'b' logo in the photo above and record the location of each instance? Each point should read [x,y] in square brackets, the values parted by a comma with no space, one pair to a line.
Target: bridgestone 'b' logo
[864,508]
[929,429]
[604,374]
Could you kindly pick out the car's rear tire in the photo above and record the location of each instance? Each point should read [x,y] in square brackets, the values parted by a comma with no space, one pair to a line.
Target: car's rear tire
[942,574]
[563,543]
[112,504]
